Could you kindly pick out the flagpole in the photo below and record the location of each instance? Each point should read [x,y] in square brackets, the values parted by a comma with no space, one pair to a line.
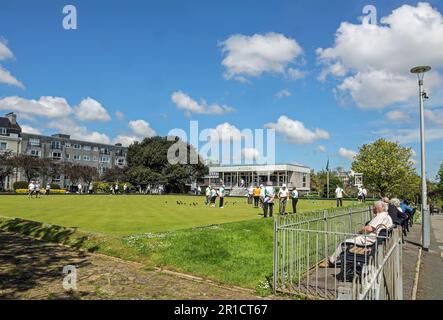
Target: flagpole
[327,183]
[327,179]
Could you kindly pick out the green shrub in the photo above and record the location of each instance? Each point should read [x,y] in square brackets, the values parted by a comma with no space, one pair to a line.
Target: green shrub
[20,185]
[55,186]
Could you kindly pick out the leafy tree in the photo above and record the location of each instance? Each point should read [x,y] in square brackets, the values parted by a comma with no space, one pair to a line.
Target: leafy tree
[6,169]
[29,165]
[77,173]
[164,161]
[115,174]
[386,166]
[440,181]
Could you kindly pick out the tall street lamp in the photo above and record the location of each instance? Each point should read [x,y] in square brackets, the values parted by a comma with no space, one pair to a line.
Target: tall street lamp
[420,72]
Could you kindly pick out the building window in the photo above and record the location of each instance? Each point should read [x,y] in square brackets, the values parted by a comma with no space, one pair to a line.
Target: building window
[56,155]
[120,161]
[3,131]
[86,158]
[3,146]
[76,146]
[95,149]
[305,179]
[94,158]
[76,157]
[34,142]
[56,145]
[87,148]
[35,153]
[104,159]
[67,145]
[67,156]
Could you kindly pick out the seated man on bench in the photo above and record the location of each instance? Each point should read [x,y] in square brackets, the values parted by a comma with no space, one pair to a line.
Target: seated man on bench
[368,233]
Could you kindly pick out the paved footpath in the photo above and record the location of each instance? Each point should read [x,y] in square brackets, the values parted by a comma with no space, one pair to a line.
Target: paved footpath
[32,269]
[410,254]
[430,284]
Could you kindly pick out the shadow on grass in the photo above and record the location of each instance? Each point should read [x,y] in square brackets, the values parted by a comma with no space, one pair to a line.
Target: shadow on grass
[45,232]
[27,263]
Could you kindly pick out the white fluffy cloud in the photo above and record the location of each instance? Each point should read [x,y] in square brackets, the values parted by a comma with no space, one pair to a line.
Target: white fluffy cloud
[91,110]
[347,154]
[189,105]
[8,78]
[411,135]
[283,93]
[5,76]
[28,129]
[50,107]
[296,132]
[397,115]
[68,126]
[140,129]
[375,59]
[250,154]
[225,132]
[251,56]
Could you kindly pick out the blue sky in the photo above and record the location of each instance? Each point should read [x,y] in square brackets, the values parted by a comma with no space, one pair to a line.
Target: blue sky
[132,56]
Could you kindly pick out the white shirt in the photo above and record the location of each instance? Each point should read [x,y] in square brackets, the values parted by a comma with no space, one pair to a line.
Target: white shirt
[360,192]
[381,221]
[31,186]
[208,191]
[37,186]
[339,192]
[365,192]
[283,193]
[221,192]
[251,191]
[294,194]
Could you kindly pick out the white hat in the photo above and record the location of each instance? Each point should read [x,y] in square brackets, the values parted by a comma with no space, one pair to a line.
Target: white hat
[283,186]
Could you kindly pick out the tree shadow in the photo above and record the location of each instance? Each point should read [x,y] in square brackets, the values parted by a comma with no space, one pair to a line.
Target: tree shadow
[27,263]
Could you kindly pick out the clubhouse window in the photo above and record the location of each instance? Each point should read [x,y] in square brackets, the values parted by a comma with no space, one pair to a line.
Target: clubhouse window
[3,146]
[3,131]
[305,178]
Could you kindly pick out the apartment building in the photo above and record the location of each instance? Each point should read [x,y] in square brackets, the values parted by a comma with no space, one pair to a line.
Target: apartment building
[59,147]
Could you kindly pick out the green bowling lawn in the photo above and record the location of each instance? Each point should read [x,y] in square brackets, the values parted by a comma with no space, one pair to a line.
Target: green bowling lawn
[135,214]
[233,245]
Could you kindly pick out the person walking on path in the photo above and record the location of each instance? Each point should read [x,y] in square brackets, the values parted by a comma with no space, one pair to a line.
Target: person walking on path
[91,188]
[339,196]
[283,195]
[48,189]
[365,193]
[80,188]
[294,198]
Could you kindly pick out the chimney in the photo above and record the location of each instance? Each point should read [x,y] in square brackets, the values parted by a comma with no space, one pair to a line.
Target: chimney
[12,117]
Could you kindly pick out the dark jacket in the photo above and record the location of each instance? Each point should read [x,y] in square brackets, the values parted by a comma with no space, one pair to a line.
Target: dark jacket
[395,214]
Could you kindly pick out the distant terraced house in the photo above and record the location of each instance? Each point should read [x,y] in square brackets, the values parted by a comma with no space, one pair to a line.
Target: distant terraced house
[58,147]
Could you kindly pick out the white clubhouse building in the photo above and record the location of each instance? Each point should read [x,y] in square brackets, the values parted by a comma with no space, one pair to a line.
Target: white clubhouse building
[232,176]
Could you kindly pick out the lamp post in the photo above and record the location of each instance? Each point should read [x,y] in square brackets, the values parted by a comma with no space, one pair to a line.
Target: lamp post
[420,72]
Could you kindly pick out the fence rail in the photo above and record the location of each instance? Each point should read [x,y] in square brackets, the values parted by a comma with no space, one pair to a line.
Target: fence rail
[362,263]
